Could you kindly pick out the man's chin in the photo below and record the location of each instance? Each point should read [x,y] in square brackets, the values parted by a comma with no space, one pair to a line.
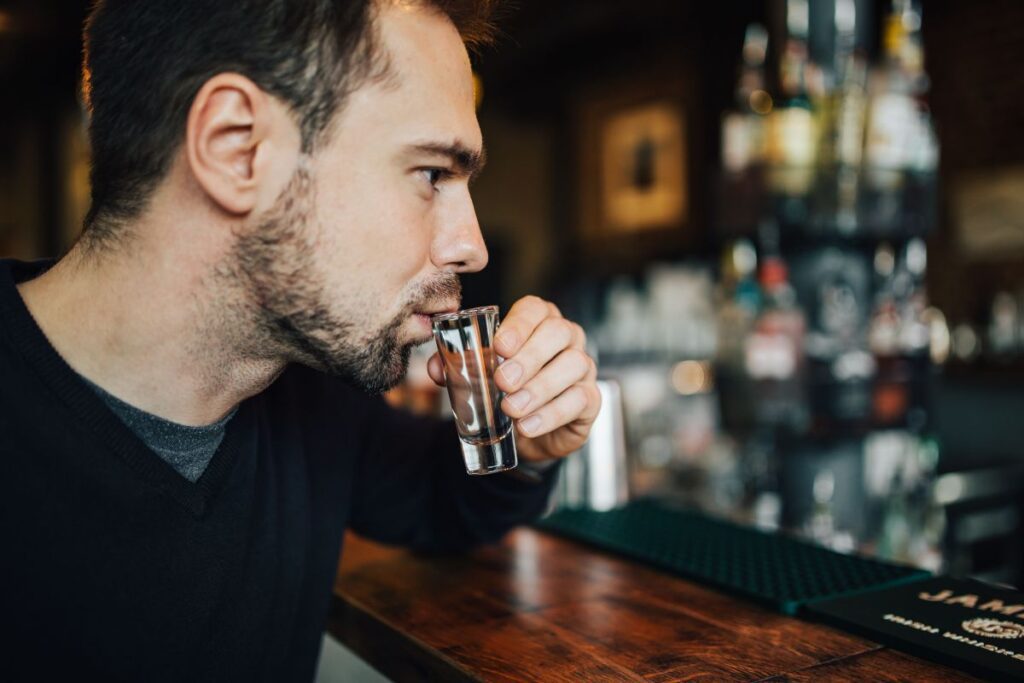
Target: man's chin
[392,373]
[372,373]
[373,383]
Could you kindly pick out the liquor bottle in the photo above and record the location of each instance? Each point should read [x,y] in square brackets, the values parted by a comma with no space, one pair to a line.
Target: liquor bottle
[739,301]
[915,335]
[884,328]
[900,337]
[890,397]
[842,117]
[738,304]
[1004,326]
[743,139]
[920,192]
[849,143]
[774,353]
[833,285]
[793,137]
[899,139]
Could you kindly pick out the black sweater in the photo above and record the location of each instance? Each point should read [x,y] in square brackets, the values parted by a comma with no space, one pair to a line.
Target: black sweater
[115,567]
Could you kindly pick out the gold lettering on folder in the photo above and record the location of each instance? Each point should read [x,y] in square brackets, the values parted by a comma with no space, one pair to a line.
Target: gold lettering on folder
[998,606]
[965,600]
[937,597]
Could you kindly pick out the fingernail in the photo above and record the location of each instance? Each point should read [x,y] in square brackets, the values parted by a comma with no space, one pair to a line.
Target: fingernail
[511,370]
[530,424]
[507,338]
[519,400]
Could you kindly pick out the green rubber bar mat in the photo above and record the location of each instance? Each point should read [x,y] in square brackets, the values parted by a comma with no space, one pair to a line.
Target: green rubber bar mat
[770,568]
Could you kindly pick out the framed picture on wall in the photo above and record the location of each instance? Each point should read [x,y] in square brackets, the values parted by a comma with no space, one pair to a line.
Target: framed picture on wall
[642,183]
[633,161]
[988,210]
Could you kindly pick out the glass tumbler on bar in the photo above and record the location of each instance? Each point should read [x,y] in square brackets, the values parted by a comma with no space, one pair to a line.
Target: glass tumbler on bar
[465,342]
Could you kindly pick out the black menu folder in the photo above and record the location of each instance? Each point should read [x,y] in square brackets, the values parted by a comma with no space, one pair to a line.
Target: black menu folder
[969,625]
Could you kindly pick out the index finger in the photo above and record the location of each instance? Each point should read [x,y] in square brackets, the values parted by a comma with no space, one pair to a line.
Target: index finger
[523,318]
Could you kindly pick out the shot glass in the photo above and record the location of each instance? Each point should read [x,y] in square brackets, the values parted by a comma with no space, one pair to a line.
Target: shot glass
[465,341]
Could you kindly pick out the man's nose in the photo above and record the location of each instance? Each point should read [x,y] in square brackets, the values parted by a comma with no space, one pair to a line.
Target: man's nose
[459,245]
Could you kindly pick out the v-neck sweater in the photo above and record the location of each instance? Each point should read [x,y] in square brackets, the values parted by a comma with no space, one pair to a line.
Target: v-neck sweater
[115,567]
[186,448]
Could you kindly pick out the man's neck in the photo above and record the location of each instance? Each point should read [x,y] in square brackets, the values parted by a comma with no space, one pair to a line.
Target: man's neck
[151,329]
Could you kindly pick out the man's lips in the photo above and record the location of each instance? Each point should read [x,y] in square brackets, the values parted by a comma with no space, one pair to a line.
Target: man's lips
[448,308]
[423,317]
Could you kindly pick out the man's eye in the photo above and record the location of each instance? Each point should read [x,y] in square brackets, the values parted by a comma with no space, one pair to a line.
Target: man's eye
[435,175]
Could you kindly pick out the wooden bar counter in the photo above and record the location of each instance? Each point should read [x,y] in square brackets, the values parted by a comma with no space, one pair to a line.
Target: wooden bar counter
[536,607]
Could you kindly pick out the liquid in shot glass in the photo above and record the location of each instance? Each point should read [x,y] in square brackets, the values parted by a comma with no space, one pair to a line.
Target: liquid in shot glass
[465,340]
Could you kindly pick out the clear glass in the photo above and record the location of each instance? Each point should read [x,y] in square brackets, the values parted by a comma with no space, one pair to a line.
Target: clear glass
[464,340]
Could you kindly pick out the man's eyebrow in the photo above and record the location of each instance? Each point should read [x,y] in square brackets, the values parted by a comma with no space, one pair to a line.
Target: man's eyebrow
[466,161]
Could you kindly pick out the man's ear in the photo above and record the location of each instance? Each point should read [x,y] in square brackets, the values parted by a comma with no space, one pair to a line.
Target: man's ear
[229,121]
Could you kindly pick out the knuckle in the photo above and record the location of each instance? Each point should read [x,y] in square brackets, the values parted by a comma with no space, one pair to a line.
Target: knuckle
[569,405]
[535,302]
[580,360]
[581,334]
[557,329]
[565,329]
[579,399]
[558,413]
[511,329]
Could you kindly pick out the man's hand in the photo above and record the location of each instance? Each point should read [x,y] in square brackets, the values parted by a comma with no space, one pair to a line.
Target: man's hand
[549,379]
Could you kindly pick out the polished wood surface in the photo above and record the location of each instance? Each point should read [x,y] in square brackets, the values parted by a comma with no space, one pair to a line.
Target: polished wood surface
[536,607]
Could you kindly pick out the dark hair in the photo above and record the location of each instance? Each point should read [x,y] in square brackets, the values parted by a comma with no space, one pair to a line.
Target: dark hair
[145,60]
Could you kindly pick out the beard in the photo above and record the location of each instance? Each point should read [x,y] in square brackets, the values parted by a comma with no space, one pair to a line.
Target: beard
[291,313]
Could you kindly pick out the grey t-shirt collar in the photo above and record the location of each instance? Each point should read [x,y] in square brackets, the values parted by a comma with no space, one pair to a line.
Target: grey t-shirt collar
[185,448]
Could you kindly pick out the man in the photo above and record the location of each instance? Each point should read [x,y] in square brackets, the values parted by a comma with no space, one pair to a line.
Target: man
[280,200]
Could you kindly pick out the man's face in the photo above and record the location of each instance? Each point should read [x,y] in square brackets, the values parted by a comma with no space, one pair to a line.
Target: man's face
[366,241]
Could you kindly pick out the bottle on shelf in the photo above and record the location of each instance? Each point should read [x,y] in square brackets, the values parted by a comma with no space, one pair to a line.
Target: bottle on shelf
[842,116]
[744,137]
[1004,326]
[884,328]
[739,301]
[834,284]
[737,306]
[915,336]
[900,150]
[792,128]
[899,336]
[774,351]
